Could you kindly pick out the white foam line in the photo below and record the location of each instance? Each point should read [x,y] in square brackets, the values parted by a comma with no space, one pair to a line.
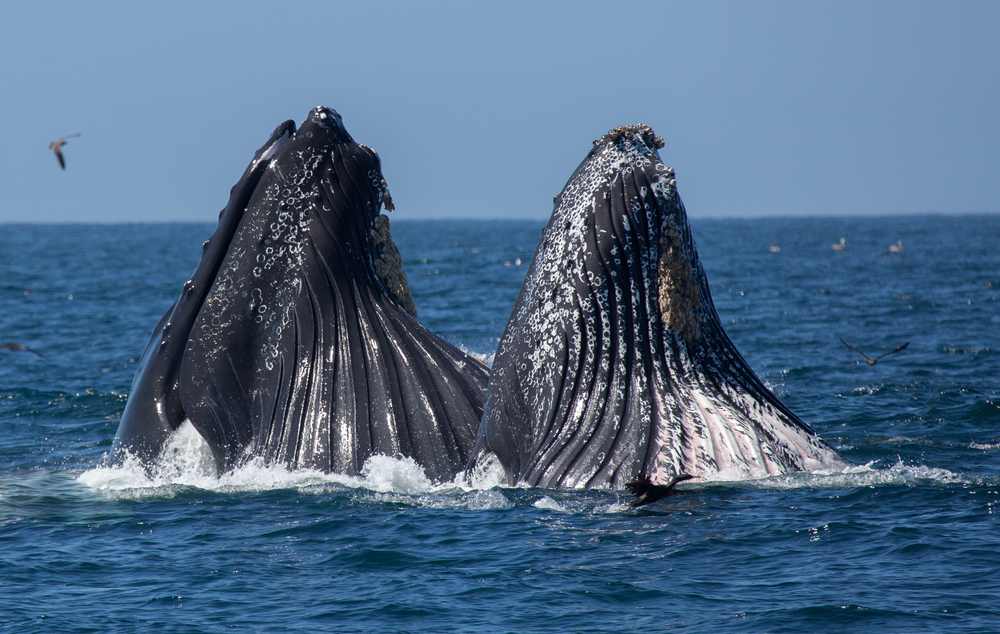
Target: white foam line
[984,446]
[186,461]
[852,477]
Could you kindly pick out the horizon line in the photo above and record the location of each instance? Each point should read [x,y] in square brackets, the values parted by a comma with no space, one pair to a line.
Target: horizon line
[525,218]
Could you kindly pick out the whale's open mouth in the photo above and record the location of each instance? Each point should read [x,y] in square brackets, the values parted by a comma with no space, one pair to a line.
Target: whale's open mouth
[614,365]
[295,339]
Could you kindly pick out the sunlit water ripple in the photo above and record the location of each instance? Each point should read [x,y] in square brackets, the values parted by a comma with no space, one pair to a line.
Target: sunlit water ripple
[906,541]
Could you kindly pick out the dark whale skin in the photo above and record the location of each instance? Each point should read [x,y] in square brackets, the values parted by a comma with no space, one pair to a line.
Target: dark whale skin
[614,366]
[299,352]
[154,409]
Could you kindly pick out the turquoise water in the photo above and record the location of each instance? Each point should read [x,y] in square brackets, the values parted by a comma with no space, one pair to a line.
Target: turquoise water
[908,541]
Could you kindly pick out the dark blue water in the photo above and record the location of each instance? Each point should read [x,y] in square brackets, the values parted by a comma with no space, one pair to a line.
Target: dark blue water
[909,541]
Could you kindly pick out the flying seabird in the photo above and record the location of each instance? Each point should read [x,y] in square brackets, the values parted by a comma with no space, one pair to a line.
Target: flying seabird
[869,359]
[56,146]
[17,347]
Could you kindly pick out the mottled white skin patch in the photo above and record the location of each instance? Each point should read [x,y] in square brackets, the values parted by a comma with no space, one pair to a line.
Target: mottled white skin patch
[599,378]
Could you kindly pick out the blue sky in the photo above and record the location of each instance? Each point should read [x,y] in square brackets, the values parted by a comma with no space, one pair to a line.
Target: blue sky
[484,110]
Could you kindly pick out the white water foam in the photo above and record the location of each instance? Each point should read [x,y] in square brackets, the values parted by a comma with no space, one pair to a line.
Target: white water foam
[984,446]
[584,506]
[485,357]
[396,475]
[392,479]
[487,474]
[549,504]
[186,462]
[852,477]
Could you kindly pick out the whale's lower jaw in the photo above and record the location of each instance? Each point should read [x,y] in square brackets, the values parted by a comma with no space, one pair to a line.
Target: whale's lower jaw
[350,377]
[719,439]
[614,365]
[730,436]
[684,417]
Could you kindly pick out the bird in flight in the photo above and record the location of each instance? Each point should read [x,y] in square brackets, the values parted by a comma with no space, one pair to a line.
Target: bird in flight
[869,359]
[17,347]
[56,146]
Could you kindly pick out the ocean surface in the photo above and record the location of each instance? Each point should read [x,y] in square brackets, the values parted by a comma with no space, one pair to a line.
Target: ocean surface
[906,541]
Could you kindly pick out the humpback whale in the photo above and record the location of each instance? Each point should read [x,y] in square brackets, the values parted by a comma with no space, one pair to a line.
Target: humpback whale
[614,370]
[295,340]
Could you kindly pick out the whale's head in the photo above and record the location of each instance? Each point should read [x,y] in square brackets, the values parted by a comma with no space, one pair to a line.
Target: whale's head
[614,365]
[298,314]
[323,188]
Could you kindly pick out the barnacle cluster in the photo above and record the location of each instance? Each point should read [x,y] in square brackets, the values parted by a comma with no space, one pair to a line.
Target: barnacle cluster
[386,197]
[389,264]
[641,130]
[680,307]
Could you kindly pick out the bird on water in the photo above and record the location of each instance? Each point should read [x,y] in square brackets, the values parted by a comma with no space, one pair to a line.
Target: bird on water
[896,248]
[56,146]
[870,360]
[840,246]
[646,492]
